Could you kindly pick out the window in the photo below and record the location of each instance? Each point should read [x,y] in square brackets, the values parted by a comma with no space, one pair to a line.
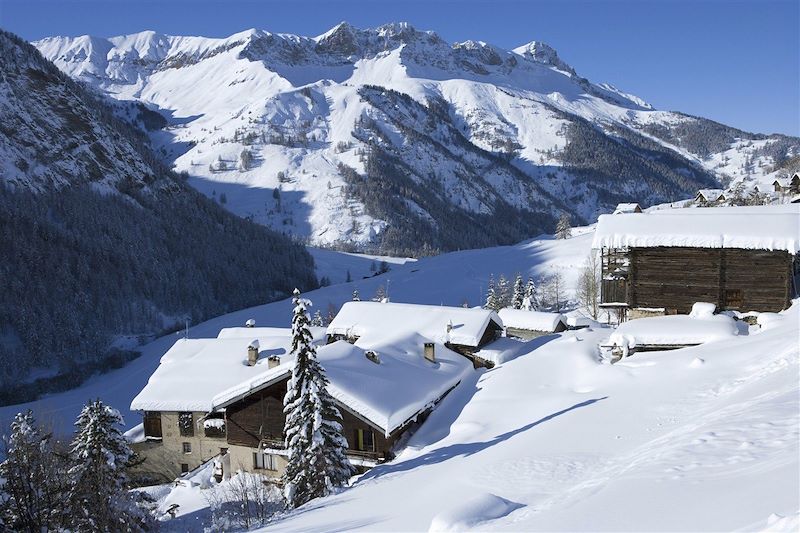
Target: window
[264,461]
[733,298]
[214,426]
[152,424]
[365,440]
[187,447]
[184,468]
[186,424]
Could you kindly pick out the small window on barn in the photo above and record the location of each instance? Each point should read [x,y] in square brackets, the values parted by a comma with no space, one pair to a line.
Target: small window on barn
[733,298]
[187,447]
[214,426]
[365,440]
[186,424]
[184,468]
[264,461]
[152,424]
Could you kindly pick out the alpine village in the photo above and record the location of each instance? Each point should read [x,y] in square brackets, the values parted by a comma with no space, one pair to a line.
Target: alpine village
[377,280]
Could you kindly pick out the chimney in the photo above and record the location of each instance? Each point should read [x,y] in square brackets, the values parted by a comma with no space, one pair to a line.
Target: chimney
[430,352]
[251,323]
[252,353]
[273,361]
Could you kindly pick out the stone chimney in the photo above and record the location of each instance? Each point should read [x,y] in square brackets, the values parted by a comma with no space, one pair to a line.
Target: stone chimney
[430,352]
[273,361]
[252,353]
[251,323]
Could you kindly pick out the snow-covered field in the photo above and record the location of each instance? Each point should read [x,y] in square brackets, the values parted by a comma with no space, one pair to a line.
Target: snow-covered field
[703,438]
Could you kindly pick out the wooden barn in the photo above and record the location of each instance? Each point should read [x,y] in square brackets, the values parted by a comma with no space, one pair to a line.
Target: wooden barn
[740,258]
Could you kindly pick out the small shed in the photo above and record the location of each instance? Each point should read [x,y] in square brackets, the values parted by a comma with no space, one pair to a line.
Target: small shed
[627,208]
[531,324]
[738,258]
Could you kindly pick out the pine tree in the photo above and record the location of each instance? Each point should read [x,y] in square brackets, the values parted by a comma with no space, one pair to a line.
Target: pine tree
[519,293]
[563,228]
[34,485]
[317,320]
[531,301]
[316,448]
[356,297]
[503,293]
[380,294]
[98,498]
[492,301]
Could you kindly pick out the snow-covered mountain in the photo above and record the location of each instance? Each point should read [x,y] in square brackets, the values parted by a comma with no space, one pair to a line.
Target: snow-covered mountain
[97,235]
[391,138]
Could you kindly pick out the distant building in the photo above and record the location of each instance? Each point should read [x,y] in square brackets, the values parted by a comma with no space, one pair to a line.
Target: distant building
[788,186]
[531,324]
[627,208]
[739,258]
[710,197]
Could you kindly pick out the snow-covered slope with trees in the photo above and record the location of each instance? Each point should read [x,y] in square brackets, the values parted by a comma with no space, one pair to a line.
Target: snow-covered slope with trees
[393,139]
[102,247]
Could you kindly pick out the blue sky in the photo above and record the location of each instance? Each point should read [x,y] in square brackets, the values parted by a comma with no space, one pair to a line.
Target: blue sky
[737,62]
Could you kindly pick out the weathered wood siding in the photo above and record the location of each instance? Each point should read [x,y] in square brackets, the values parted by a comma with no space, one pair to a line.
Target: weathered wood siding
[260,415]
[676,278]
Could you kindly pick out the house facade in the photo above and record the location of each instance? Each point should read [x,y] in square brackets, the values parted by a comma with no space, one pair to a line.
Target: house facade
[222,398]
[739,258]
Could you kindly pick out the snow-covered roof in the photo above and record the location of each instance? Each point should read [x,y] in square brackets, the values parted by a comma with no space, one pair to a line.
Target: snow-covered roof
[530,320]
[627,208]
[775,227]
[387,393]
[193,371]
[255,333]
[711,195]
[373,321]
[674,330]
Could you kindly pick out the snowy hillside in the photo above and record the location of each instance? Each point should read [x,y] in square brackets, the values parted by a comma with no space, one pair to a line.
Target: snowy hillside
[393,139]
[101,246]
[699,439]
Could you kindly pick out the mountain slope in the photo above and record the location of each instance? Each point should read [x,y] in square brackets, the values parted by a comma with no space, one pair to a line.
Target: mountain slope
[287,128]
[100,245]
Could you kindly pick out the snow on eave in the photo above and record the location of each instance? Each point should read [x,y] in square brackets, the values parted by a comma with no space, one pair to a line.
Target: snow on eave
[754,228]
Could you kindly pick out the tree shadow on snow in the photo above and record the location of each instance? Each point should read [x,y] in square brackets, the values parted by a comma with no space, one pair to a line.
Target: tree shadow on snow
[466,449]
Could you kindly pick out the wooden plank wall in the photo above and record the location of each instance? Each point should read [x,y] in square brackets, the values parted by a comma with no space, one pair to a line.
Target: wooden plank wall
[260,415]
[676,278]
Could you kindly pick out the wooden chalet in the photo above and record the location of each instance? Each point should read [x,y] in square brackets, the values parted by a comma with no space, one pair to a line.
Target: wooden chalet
[739,258]
[380,395]
[706,197]
[627,208]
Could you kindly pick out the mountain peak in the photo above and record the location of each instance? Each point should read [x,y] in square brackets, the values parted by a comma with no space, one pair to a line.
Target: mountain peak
[543,53]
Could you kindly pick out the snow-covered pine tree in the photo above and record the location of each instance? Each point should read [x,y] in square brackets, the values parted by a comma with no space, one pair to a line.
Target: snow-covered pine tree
[356,297]
[34,482]
[380,294]
[99,499]
[317,320]
[503,292]
[531,301]
[519,293]
[316,447]
[563,228]
[491,296]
